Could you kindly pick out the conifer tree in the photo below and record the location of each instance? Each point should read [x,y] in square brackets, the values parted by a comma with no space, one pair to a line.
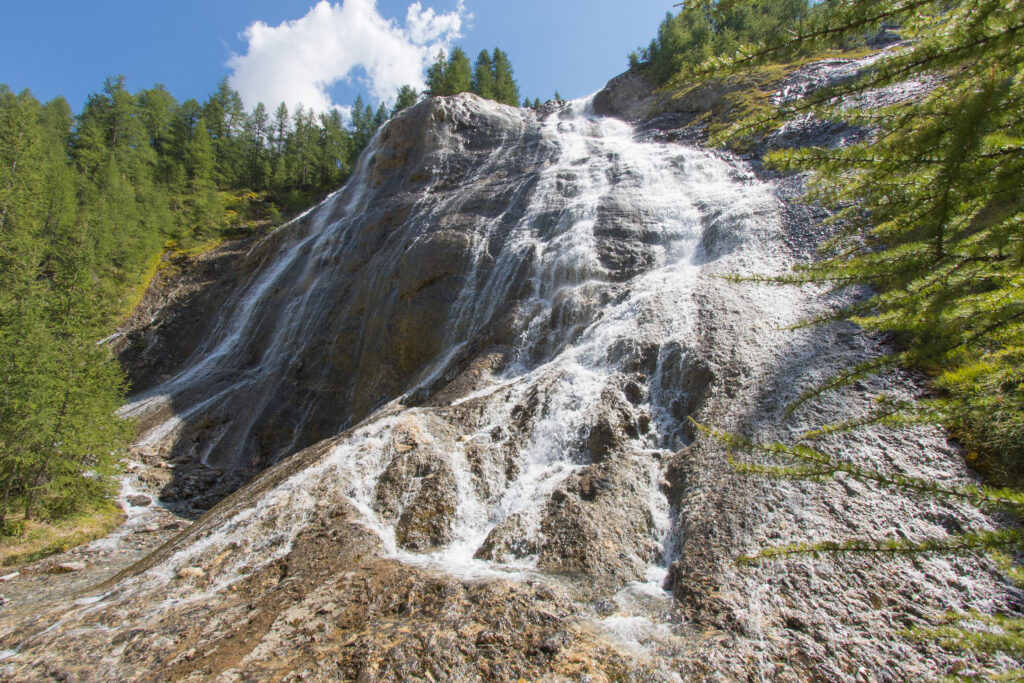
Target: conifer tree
[483,76]
[930,215]
[436,75]
[705,29]
[506,90]
[257,127]
[407,97]
[458,74]
[334,144]
[59,389]
[225,120]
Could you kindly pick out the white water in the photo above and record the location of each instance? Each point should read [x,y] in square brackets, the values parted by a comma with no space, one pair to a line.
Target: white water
[568,365]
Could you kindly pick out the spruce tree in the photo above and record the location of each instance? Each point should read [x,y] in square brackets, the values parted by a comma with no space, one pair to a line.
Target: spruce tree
[506,90]
[458,74]
[483,76]
[225,120]
[59,389]
[407,97]
[257,128]
[436,75]
[334,143]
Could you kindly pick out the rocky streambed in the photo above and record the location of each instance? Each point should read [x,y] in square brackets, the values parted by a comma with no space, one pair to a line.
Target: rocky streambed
[464,391]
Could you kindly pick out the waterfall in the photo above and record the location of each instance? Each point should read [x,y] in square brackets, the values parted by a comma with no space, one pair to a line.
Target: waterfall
[589,267]
[455,403]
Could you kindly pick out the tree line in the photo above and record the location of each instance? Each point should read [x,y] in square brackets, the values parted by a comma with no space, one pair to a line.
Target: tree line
[490,76]
[708,29]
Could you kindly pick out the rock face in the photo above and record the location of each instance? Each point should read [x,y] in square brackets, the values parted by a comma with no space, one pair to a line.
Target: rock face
[482,358]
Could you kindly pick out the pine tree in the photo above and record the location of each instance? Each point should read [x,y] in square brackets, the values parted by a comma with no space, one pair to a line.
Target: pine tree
[436,75]
[334,143]
[407,97]
[59,390]
[506,90]
[706,29]
[225,120]
[458,74]
[257,127]
[483,76]
[930,215]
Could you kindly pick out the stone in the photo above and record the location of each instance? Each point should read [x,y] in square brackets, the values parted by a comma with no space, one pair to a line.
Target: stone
[139,500]
[191,573]
[67,567]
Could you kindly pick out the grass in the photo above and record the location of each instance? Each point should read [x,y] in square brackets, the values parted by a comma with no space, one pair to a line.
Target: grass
[39,539]
[138,290]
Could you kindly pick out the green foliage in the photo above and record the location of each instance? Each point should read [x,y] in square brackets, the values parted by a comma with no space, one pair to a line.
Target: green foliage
[483,76]
[929,215]
[705,29]
[930,211]
[458,74]
[490,77]
[87,204]
[407,97]
[58,432]
[506,90]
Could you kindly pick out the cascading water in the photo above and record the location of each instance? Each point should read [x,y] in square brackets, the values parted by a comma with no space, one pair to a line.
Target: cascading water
[474,367]
[598,261]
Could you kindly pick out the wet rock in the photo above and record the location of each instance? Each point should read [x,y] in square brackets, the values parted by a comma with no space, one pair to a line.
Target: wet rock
[139,500]
[508,541]
[634,392]
[612,427]
[414,275]
[599,523]
[554,643]
[191,573]
[417,489]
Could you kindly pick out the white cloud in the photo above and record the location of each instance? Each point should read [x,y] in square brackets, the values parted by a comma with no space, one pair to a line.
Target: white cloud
[298,61]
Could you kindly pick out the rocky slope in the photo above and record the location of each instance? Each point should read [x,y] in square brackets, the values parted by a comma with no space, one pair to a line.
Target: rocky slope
[471,374]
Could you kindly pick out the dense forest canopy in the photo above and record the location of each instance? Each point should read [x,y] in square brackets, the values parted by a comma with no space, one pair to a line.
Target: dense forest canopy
[706,30]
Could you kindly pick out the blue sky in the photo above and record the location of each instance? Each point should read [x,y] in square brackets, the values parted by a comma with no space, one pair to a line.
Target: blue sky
[68,47]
